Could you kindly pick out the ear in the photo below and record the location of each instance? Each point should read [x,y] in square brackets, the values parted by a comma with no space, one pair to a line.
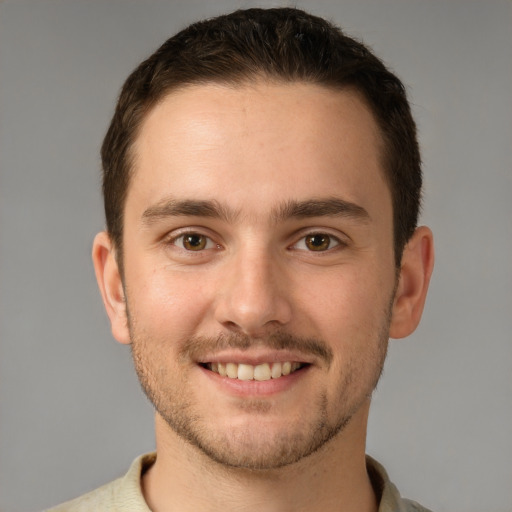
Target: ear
[111,286]
[415,271]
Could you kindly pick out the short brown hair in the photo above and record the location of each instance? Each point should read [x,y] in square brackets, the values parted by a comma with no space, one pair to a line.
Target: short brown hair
[283,44]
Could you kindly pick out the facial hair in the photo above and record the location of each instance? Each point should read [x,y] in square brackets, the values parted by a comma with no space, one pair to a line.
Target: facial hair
[249,448]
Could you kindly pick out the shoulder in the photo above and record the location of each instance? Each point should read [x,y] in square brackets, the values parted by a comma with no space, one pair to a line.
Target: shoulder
[102,498]
[412,506]
[121,495]
[387,494]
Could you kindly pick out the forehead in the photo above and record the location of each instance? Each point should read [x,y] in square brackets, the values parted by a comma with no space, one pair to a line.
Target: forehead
[263,139]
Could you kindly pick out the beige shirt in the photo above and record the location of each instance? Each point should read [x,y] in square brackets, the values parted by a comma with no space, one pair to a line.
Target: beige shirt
[125,493]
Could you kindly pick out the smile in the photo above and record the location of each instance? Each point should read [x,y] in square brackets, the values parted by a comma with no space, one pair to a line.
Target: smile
[260,372]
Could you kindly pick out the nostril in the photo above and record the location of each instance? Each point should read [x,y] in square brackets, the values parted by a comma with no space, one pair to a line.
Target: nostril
[232,326]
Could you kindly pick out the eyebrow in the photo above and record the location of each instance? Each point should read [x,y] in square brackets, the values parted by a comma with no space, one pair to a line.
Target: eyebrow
[187,208]
[326,207]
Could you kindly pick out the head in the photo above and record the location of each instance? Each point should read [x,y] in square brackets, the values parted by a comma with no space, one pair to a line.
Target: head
[262,187]
[278,45]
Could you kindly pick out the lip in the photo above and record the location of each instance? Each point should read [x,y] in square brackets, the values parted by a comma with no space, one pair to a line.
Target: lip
[256,357]
[254,388]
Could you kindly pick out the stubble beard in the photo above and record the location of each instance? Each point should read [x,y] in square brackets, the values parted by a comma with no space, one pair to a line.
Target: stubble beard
[249,448]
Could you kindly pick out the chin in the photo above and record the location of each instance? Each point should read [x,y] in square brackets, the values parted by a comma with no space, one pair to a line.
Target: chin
[259,442]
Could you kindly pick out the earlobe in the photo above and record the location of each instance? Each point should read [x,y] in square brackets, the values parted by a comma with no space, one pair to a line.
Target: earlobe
[111,286]
[416,269]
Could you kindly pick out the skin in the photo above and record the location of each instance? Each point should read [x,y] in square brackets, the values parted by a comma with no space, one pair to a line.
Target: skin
[258,292]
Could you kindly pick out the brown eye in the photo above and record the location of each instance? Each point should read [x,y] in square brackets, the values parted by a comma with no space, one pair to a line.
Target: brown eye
[194,242]
[318,242]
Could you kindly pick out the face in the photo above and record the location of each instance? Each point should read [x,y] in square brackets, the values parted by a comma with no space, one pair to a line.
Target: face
[258,267]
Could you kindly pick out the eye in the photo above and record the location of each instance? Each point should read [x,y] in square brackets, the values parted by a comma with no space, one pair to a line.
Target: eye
[317,242]
[193,242]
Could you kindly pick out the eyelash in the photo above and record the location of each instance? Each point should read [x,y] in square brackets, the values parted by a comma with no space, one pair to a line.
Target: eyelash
[333,242]
[209,243]
[314,234]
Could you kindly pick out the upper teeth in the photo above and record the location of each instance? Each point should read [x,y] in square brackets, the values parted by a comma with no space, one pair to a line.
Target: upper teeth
[265,371]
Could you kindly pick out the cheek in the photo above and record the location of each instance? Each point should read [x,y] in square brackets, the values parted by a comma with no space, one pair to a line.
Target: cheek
[346,298]
[168,303]
[350,312]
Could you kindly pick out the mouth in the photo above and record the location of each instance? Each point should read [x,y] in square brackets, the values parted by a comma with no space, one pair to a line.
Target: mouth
[260,372]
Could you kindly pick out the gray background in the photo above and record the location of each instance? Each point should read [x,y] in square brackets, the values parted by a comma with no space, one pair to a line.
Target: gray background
[71,412]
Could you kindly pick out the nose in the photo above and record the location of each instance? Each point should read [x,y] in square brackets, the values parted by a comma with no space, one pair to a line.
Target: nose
[254,296]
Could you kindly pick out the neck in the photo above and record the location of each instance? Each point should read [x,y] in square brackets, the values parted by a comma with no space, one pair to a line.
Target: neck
[332,479]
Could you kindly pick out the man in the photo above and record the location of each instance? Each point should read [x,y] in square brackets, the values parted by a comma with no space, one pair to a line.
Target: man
[262,184]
